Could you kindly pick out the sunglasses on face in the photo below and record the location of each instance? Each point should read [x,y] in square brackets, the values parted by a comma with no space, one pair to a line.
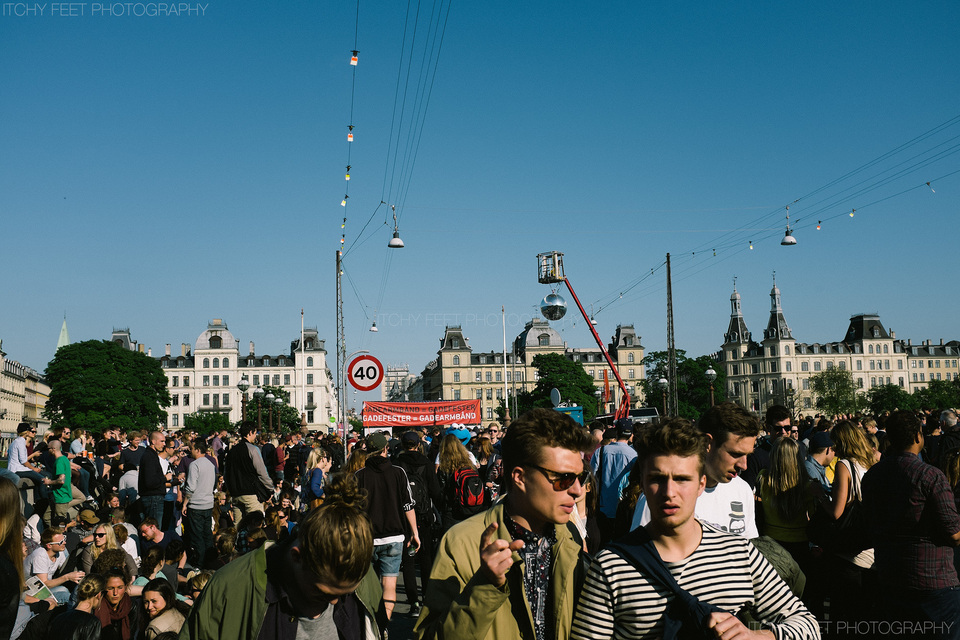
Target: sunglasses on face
[561,481]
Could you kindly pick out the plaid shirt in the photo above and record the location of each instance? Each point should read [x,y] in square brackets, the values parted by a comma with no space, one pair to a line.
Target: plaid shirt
[912,513]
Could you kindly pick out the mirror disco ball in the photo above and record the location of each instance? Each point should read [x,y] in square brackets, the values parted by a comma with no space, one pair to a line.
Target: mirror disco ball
[553,307]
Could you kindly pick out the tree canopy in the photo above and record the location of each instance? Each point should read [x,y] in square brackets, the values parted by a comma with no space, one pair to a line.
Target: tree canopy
[206,422]
[836,392]
[98,384]
[286,419]
[693,388]
[938,394]
[555,371]
[890,397]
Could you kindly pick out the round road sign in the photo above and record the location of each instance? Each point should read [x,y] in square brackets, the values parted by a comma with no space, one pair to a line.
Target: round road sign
[365,373]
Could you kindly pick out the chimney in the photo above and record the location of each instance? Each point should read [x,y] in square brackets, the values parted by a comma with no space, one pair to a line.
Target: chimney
[167,350]
[183,349]
[251,348]
[139,348]
[941,342]
[150,352]
[893,334]
[909,342]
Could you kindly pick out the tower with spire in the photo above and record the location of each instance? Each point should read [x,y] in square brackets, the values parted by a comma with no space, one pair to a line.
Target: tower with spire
[64,338]
[777,328]
[737,332]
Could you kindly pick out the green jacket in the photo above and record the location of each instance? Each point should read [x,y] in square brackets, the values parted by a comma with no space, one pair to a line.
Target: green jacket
[233,604]
[460,604]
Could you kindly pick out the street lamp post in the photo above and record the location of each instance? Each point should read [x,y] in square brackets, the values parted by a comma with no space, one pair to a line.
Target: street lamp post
[662,383]
[270,398]
[258,394]
[279,403]
[243,385]
[711,375]
[598,394]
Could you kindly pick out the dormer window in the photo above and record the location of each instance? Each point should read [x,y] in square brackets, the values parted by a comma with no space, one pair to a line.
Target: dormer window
[249,362]
[216,342]
[266,362]
[455,343]
[543,340]
[875,332]
[628,342]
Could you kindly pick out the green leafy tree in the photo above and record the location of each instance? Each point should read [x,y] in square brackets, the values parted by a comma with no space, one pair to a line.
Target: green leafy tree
[555,371]
[836,392]
[938,394]
[206,422]
[286,419]
[98,384]
[693,388]
[890,397]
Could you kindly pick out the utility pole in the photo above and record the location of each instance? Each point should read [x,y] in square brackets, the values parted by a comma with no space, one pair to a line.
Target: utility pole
[671,348]
[341,356]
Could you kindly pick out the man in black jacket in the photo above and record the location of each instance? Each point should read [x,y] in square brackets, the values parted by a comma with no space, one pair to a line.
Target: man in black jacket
[390,508]
[152,482]
[425,489]
[245,474]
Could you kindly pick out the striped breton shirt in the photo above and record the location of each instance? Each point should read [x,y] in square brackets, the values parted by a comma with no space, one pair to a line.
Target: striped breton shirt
[725,570]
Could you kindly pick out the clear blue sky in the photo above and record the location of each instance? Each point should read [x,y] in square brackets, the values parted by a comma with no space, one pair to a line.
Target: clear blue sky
[158,171]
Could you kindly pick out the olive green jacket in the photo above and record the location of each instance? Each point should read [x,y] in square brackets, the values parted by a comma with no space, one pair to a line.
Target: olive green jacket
[461,604]
[233,604]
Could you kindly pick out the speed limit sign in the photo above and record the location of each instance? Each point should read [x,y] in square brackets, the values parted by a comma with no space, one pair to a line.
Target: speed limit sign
[365,373]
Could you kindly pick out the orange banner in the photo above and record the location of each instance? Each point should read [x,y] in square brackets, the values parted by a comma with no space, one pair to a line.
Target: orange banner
[416,414]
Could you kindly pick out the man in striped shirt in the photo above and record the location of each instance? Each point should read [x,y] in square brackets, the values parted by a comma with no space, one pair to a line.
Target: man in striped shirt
[711,577]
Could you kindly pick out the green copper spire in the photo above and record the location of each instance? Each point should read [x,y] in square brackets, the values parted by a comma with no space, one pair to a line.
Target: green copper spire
[64,334]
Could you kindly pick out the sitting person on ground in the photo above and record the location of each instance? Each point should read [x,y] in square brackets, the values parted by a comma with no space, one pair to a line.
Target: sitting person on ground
[118,615]
[162,610]
[81,623]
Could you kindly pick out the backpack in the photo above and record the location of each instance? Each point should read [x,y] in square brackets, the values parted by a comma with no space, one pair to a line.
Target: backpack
[422,506]
[468,493]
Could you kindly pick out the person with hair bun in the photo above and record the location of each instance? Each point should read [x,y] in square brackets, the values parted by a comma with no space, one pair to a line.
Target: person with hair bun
[81,623]
[320,579]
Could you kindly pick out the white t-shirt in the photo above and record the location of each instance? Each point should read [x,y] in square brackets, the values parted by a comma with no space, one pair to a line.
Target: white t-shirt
[39,562]
[728,506]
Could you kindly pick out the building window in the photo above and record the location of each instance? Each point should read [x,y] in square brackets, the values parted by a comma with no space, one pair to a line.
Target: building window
[829,365]
[789,366]
[519,376]
[256,380]
[886,364]
[206,381]
[629,373]
[489,394]
[807,403]
[914,377]
[755,368]
[899,364]
[276,379]
[499,376]
[283,361]
[176,381]
[543,340]
[806,384]
[921,377]
[310,361]
[886,348]
[226,363]
[216,363]
[206,399]
[186,381]
[804,366]
[786,350]
[216,400]
[479,394]
[216,381]
[489,413]
[929,364]
[309,398]
[816,365]
[499,393]
[901,382]
[629,357]
[226,401]
[873,382]
[873,365]
[735,369]
[310,416]
[309,378]
[286,378]
[456,361]
[938,364]
[843,365]
[250,362]
[206,363]
[479,376]
[226,381]
[456,376]
[938,376]
[456,394]
[510,376]
[489,376]
[773,367]
[773,350]
[216,342]
[266,362]
[175,400]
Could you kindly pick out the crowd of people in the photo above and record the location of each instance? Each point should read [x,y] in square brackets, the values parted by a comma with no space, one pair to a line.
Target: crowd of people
[730,527]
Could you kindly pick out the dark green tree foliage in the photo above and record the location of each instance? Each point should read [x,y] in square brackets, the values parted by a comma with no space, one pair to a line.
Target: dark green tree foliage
[890,397]
[555,371]
[206,422]
[98,384]
[286,419]
[693,388]
[939,394]
[836,392]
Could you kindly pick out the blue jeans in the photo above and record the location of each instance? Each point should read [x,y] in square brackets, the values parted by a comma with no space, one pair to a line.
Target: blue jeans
[387,559]
[200,528]
[939,609]
[153,508]
[42,493]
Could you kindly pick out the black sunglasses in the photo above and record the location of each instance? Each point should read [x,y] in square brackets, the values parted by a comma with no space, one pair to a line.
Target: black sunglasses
[99,535]
[561,481]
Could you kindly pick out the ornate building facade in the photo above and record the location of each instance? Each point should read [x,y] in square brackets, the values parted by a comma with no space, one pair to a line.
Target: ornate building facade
[777,369]
[458,373]
[204,376]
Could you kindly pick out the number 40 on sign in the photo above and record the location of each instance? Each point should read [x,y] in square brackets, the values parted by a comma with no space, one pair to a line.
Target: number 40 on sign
[365,373]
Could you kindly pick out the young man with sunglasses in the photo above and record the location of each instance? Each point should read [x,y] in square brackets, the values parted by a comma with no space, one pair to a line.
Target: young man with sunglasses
[515,570]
